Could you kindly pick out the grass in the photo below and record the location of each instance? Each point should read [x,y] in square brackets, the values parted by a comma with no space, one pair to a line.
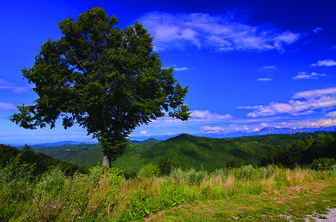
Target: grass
[246,194]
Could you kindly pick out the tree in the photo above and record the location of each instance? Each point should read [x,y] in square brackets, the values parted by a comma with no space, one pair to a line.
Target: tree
[106,79]
[164,166]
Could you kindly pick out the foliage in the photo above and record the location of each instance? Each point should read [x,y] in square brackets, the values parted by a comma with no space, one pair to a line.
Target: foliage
[323,164]
[149,170]
[304,152]
[105,196]
[104,78]
[42,212]
[231,163]
[186,151]
[34,163]
[15,170]
[164,166]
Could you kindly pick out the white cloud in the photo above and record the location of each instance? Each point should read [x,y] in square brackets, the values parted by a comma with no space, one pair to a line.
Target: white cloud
[215,129]
[313,75]
[177,68]
[11,86]
[328,62]
[181,68]
[302,103]
[268,68]
[143,132]
[264,79]
[202,30]
[317,29]
[315,93]
[202,115]
[7,106]
[331,114]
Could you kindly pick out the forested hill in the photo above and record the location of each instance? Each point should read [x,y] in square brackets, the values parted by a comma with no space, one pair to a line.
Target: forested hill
[283,140]
[186,151]
[183,151]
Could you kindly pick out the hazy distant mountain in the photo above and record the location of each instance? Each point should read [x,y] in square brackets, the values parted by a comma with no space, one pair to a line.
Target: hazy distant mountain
[268,130]
[273,130]
[59,143]
[263,131]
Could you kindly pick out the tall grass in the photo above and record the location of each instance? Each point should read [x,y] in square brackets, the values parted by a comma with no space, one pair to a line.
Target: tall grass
[105,195]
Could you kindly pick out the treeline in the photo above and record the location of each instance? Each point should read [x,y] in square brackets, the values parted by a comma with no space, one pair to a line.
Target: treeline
[318,153]
[36,163]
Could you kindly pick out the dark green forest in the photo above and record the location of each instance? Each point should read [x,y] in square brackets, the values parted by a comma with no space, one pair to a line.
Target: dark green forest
[318,152]
[313,150]
[35,164]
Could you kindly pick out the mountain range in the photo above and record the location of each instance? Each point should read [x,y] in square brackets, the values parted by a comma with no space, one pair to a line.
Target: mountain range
[263,131]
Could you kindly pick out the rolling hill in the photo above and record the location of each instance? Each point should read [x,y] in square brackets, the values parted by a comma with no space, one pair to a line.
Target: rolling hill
[184,151]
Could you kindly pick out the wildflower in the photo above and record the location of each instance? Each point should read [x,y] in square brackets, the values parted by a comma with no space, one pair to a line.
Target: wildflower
[58,200]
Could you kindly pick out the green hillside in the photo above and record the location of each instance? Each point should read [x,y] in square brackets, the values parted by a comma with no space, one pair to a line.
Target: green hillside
[187,151]
[80,154]
[184,151]
[89,154]
[282,140]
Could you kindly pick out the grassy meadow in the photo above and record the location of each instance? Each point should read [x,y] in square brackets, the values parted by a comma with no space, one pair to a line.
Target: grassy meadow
[244,194]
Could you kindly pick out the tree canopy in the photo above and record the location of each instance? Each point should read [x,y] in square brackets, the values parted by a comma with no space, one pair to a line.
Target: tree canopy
[102,77]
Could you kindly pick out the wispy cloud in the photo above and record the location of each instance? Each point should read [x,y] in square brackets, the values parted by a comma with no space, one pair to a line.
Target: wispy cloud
[315,93]
[328,62]
[331,114]
[313,75]
[206,115]
[11,86]
[177,68]
[301,103]
[214,129]
[317,30]
[181,68]
[268,68]
[7,106]
[264,79]
[222,33]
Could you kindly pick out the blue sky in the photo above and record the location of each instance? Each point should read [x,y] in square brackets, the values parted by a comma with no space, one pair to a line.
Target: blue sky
[248,64]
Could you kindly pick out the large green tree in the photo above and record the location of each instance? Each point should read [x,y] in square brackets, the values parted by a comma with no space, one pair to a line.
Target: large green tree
[106,79]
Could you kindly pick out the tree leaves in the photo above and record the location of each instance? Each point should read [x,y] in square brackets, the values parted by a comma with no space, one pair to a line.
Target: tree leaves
[103,78]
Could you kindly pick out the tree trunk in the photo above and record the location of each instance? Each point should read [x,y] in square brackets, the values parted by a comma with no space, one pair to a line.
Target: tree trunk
[106,161]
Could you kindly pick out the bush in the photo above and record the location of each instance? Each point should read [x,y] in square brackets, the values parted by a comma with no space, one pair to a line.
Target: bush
[53,181]
[164,166]
[322,163]
[149,170]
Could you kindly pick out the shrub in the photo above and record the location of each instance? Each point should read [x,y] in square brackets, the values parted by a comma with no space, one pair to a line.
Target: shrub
[322,163]
[164,166]
[53,181]
[149,170]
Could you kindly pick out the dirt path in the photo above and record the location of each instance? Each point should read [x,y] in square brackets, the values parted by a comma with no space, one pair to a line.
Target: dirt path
[329,217]
[294,200]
